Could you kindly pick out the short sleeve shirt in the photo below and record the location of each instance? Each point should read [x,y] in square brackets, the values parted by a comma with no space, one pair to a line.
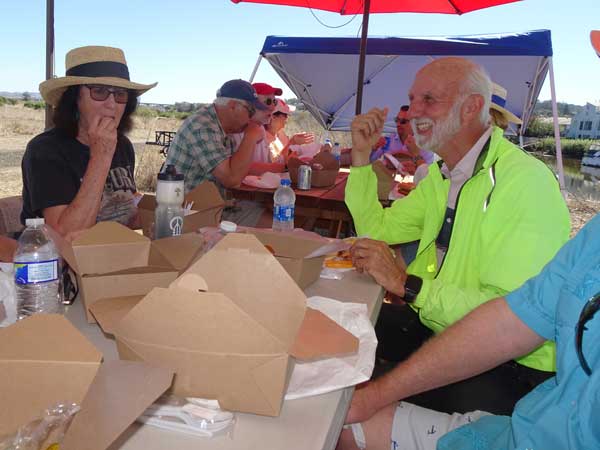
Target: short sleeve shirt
[561,413]
[53,168]
[199,146]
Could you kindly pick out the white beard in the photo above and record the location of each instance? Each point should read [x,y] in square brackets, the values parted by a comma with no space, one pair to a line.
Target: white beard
[441,132]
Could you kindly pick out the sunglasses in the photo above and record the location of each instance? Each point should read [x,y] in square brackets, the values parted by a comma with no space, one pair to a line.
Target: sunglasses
[279,114]
[101,93]
[400,121]
[270,101]
[588,311]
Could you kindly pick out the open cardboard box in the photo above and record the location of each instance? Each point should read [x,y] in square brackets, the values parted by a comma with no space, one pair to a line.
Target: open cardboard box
[207,206]
[45,361]
[293,253]
[111,260]
[323,177]
[229,327]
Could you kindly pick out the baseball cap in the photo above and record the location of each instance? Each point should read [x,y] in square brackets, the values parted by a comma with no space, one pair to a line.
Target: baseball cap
[241,90]
[283,107]
[266,89]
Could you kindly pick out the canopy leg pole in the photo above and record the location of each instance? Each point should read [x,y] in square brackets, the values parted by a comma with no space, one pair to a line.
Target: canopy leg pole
[559,160]
[255,68]
[363,52]
[49,54]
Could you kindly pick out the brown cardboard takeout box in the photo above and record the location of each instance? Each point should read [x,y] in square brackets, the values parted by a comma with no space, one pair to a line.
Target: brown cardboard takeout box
[207,204]
[291,251]
[323,177]
[228,327]
[111,260]
[45,361]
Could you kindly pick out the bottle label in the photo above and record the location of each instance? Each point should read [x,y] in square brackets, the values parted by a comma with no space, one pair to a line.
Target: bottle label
[283,213]
[36,272]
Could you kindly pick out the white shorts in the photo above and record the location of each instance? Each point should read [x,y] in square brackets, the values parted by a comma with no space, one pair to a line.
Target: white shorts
[417,428]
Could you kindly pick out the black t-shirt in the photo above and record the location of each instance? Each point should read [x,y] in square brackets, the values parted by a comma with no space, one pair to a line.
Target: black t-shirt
[53,167]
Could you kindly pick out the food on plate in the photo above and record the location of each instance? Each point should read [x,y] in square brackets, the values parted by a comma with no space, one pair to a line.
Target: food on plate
[405,188]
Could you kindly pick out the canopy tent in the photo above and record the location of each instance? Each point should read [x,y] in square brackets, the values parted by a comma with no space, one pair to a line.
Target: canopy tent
[316,69]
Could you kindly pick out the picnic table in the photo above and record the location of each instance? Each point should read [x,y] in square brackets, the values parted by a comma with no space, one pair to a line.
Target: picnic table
[305,424]
[326,203]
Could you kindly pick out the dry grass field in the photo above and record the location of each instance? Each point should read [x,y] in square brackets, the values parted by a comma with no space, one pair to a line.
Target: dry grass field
[19,124]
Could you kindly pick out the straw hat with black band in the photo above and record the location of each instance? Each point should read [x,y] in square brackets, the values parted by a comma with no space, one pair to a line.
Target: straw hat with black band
[92,65]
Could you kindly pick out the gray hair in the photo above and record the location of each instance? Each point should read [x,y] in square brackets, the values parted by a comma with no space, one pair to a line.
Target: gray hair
[223,101]
[479,82]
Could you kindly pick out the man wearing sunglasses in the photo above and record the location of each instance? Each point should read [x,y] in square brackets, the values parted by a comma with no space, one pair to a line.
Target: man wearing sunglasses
[203,148]
[402,144]
[82,170]
[261,161]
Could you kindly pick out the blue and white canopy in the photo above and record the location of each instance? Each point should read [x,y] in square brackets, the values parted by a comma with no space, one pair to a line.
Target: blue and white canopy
[322,71]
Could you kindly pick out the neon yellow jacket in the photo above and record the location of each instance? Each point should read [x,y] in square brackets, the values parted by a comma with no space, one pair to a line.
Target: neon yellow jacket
[510,221]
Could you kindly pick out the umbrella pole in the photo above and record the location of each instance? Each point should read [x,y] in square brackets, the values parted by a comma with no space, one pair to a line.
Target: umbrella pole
[49,54]
[361,60]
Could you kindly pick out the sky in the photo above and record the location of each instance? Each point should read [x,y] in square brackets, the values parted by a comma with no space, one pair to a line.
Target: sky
[192,46]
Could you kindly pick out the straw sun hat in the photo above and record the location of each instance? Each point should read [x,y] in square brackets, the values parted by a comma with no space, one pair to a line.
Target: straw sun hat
[499,101]
[92,65]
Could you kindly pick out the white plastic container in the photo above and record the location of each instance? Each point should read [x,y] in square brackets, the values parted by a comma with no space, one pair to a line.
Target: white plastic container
[168,216]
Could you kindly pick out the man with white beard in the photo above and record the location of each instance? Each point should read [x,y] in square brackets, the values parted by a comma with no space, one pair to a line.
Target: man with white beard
[488,217]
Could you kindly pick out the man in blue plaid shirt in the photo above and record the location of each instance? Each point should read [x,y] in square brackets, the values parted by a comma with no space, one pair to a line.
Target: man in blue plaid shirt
[202,150]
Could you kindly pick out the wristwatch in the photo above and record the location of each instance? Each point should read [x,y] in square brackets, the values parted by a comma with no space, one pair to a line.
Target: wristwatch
[412,287]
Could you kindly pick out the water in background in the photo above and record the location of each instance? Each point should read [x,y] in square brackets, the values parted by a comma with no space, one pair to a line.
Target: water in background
[581,181]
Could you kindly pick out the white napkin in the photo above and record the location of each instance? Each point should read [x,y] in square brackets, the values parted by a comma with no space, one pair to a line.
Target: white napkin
[330,374]
[267,180]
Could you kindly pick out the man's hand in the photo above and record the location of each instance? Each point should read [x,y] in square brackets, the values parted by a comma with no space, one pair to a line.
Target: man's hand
[377,259]
[364,404]
[366,130]
[102,137]
[302,138]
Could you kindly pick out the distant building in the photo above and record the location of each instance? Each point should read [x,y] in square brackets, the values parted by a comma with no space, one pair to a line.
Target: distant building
[563,123]
[586,123]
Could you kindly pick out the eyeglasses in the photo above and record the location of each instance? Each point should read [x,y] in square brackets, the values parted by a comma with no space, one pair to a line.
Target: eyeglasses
[250,108]
[270,101]
[400,121]
[279,114]
[587,312]
[101,93]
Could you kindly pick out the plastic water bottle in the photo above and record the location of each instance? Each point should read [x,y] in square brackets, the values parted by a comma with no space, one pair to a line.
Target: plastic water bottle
[337,151]
[168,216]
[284,201]
[37,272]
[327,145]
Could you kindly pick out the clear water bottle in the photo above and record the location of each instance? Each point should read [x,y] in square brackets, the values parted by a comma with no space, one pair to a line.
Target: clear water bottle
[37,272]
[168,216]
[327,147]
[336,151]
[284,201]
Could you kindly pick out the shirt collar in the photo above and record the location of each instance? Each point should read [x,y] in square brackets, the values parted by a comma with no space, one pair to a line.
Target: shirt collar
[465,167]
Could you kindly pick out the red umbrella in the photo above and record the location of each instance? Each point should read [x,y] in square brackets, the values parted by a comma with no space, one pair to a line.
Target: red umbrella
[365,7]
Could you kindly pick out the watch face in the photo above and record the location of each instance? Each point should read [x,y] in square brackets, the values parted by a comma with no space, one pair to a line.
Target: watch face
[412,287]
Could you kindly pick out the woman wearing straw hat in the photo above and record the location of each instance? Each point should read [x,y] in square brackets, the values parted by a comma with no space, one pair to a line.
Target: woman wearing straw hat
[81,171]
[501,116]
